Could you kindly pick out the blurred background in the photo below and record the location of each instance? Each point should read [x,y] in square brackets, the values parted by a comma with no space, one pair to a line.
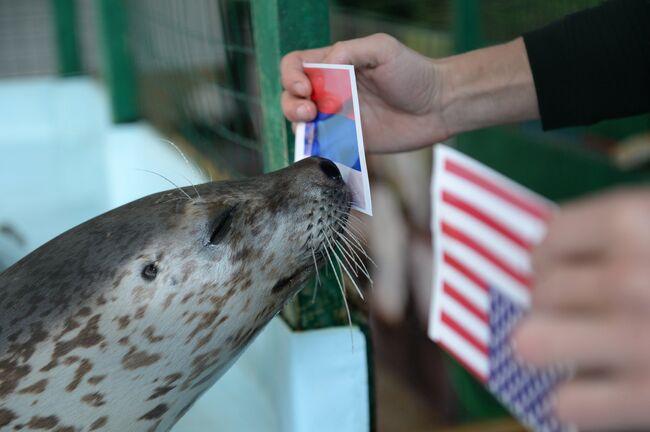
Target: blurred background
[92,92]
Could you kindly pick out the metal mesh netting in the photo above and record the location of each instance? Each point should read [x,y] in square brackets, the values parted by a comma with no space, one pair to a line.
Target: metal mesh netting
[195,68]
[425,24]
[27,44]
[422,25]
[501,20]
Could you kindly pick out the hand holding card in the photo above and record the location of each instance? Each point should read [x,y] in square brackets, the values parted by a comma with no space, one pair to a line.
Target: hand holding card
[335,133]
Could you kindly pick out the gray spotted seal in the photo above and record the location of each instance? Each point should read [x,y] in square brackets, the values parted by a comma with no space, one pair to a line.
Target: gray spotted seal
[122,322]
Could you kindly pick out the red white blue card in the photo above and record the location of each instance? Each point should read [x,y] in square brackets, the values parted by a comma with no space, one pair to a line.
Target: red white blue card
[484,228]
[335,133]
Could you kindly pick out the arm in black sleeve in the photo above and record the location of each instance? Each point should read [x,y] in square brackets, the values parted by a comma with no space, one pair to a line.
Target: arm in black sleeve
[592,65]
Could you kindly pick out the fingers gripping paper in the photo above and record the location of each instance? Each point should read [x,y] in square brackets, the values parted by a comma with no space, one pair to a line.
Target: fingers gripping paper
[335,133]
[484,227]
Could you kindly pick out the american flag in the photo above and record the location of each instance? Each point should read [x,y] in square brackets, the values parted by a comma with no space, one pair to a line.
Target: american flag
[484,227]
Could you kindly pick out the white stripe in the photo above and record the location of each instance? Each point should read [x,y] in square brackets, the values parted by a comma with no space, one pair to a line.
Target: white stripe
[466,319]
[468,289]
[511,253]
[494,176]
[463,349]
[494,276]
[528,227]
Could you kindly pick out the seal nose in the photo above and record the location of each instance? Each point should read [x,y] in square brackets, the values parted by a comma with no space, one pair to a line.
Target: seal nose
[330,169]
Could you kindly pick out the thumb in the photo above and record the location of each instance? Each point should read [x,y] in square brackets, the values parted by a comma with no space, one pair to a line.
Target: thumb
[367,52]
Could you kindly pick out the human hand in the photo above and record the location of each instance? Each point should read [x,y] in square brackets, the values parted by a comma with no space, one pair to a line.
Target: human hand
[591,310]
[399,91]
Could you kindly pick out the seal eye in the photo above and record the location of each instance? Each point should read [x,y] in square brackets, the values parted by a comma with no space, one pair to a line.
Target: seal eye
[150,271]
[220,225]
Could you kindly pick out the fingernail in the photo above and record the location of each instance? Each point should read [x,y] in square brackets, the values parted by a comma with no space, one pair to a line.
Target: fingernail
[300,88]
[302,111]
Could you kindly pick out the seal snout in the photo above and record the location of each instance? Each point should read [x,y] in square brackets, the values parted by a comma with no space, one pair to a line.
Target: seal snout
[330,169]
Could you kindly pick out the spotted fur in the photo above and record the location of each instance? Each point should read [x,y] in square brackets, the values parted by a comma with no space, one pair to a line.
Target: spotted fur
[122,322]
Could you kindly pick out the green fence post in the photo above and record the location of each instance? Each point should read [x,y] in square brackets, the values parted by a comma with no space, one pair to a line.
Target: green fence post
[466,25]
[118,67]
[281,26]
[65,15]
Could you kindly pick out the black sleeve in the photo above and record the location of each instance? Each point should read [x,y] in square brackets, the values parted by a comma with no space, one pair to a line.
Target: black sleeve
[592,65]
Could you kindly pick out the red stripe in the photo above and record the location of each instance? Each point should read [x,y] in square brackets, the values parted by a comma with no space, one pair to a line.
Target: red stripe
[466,207]
[453,262]
[463,301]
[463,333]
[485,252]
[482,378]
[529,207]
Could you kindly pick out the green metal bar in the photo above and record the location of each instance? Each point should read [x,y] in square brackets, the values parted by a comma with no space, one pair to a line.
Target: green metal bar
[65,15]
[466,25]
[281,26]
[118,67]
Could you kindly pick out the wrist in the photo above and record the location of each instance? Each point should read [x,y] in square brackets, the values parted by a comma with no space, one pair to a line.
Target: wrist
[447,98]
[486,87]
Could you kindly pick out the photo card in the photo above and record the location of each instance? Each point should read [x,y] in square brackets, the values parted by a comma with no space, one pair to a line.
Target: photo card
[335,133]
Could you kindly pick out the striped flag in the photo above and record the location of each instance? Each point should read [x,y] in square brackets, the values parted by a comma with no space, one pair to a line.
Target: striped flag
[484,227]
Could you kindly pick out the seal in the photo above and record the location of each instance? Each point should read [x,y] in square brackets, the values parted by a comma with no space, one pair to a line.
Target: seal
[122,322]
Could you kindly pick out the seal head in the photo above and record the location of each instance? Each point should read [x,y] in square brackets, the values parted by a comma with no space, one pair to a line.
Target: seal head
[123,321]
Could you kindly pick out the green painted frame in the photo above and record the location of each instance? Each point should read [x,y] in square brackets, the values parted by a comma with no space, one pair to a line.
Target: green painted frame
[279,27]
[118,62]
[65,20]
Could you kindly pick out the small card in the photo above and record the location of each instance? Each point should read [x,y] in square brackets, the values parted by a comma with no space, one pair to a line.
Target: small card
[484,227]
[335,133]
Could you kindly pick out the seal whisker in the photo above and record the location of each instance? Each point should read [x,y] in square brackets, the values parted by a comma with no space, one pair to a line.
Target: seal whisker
[348,224]
[345,300]
[338,280]
[356,230]
[193,186]
[356,264]
[350,216]
[172,199]
[356,260]
[358,245]
[344,268]
[345,256]
[162,176]
[352,236]
[313,255]
[194,166]
[360,264]
[352,249]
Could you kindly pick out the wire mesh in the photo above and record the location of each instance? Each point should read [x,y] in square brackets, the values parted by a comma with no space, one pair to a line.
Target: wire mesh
[501,20]
[421,25]
[27,43]
[88,42]
[426,14]
[195,68]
